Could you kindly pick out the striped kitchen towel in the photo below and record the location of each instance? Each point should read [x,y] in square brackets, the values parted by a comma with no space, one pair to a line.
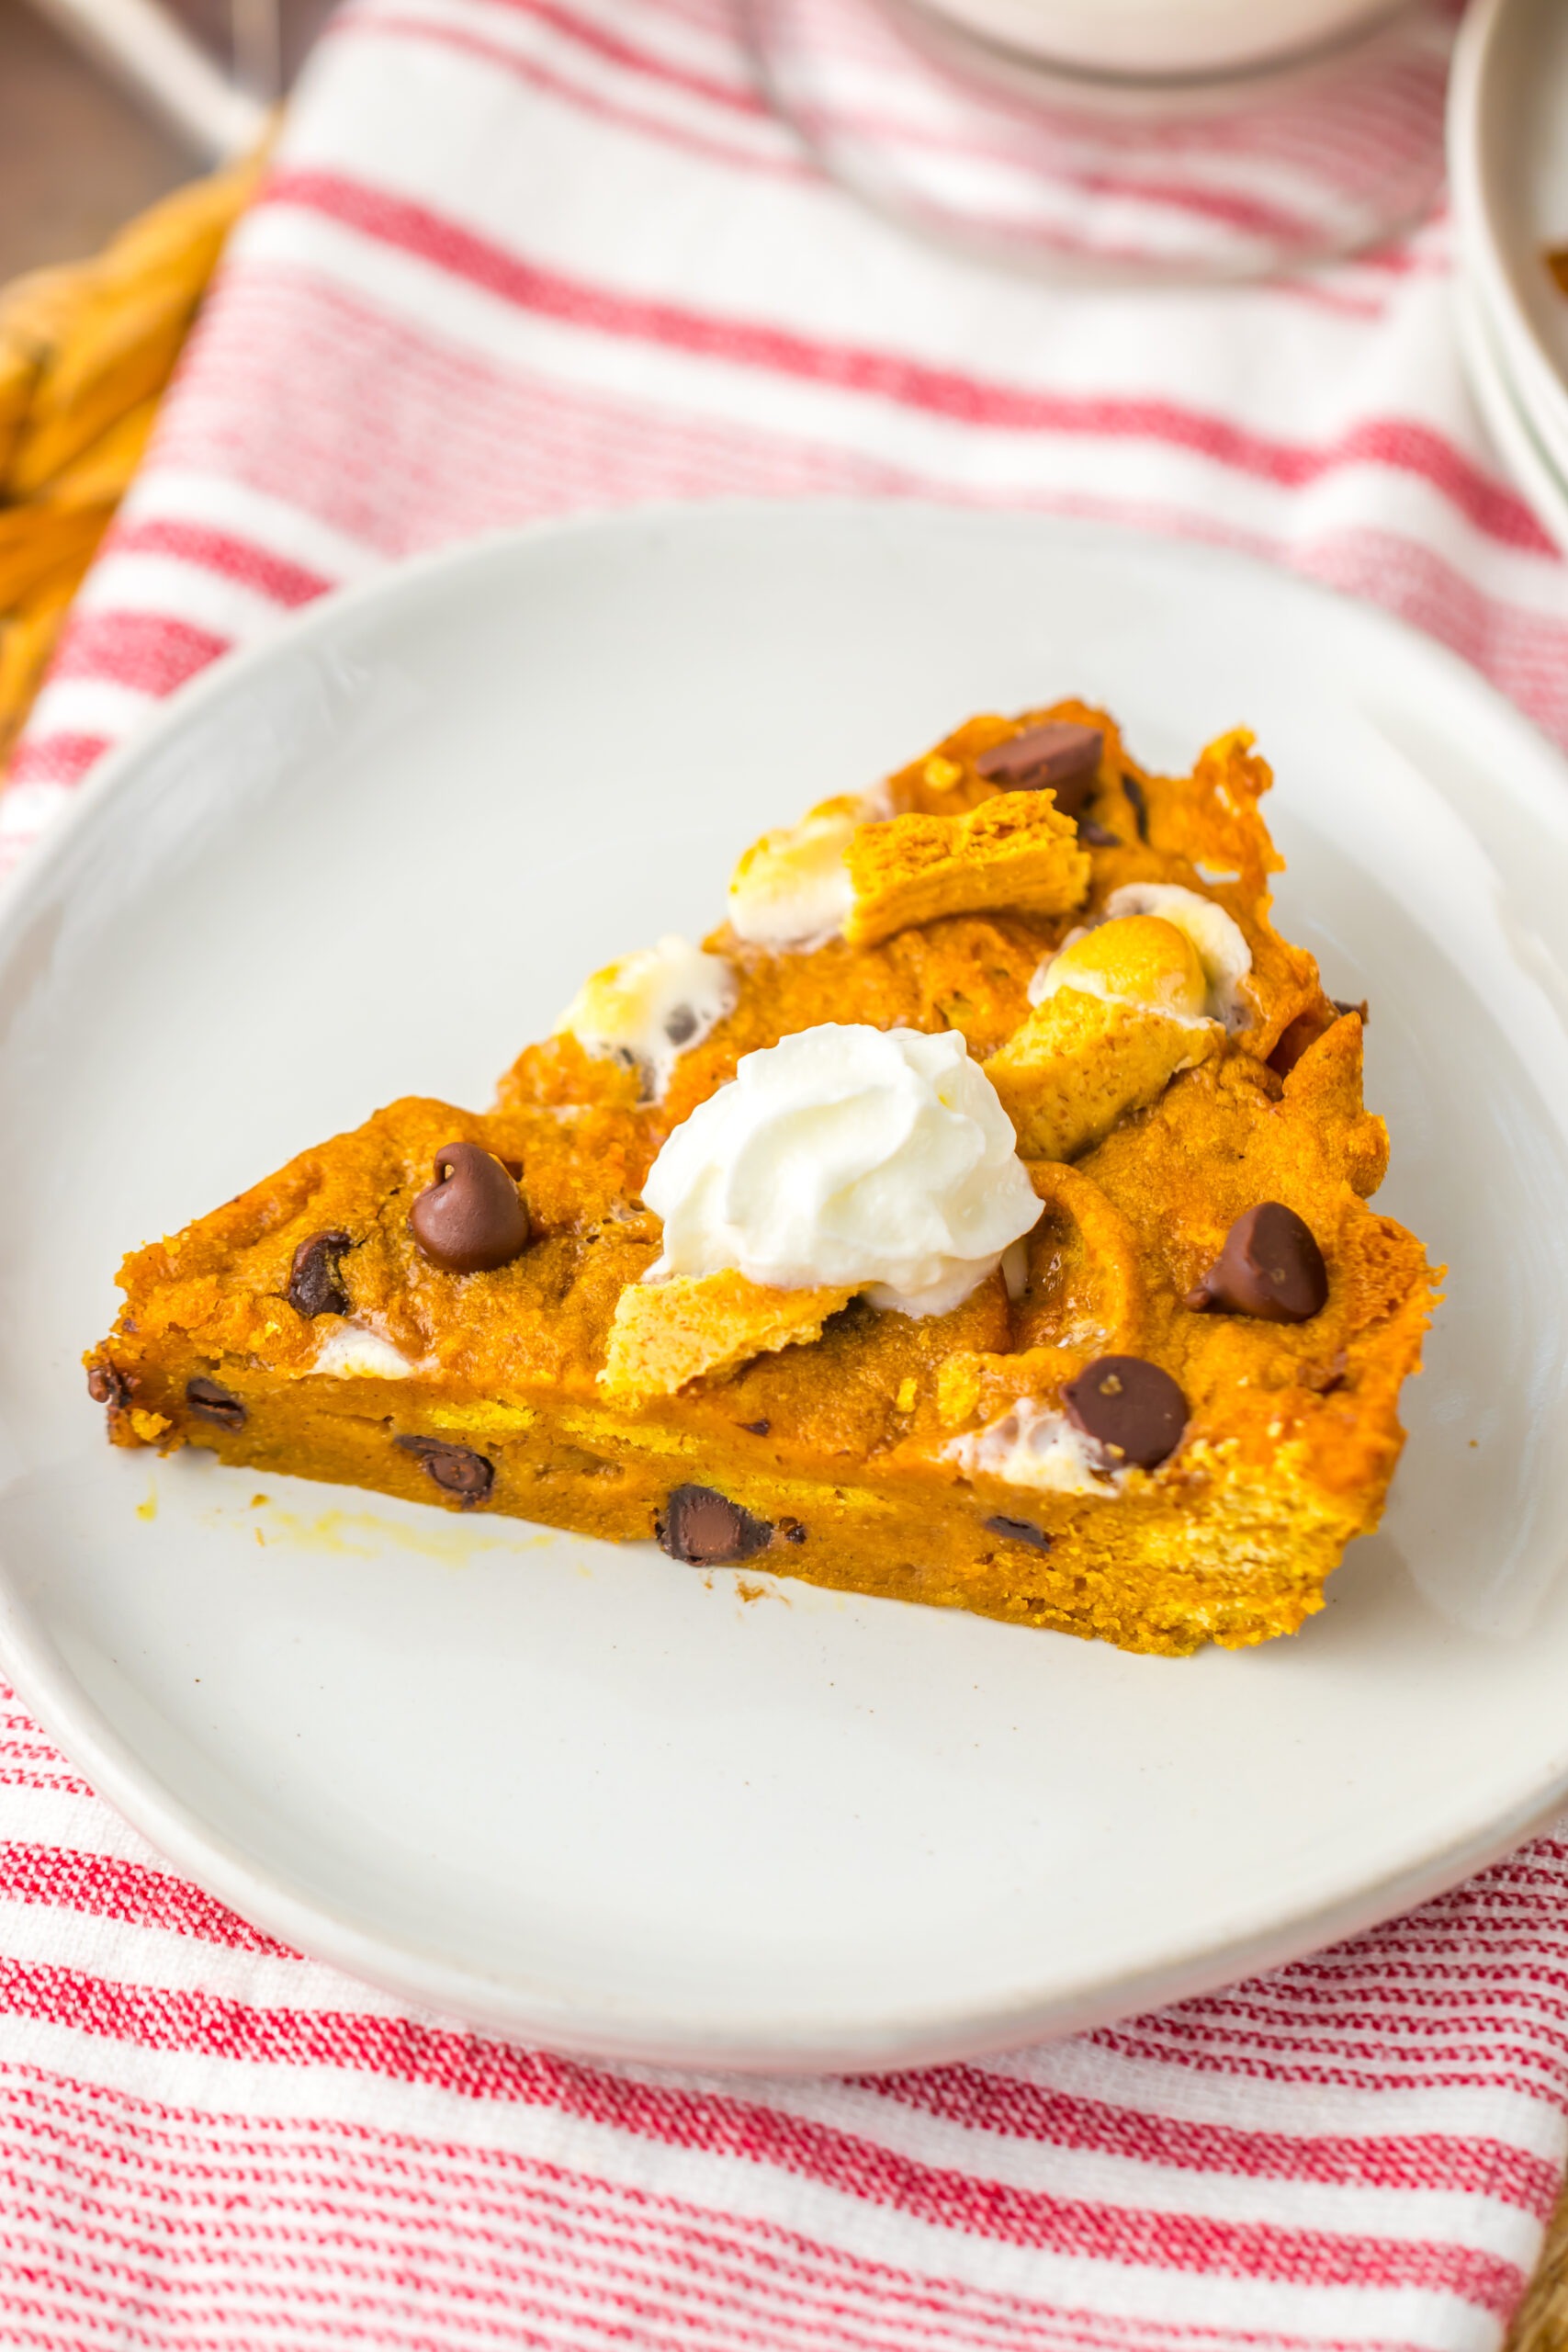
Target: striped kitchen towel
[518,258]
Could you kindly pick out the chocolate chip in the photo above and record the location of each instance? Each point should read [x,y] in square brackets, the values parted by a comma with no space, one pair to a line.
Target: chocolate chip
[705,1530]
[315,1284]
[789,1531]
[1021,1531]
[455,1469]
[105,1386]
[472,1219]
[758,1429]
[1098,836]
[1060,756]
[1139,798]
[1136,1411]
[1270,1267]
[210,1403]
[1342,1007]
[682,1024]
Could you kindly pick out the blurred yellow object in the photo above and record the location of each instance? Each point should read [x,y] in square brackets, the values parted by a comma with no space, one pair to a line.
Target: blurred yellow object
[85,353]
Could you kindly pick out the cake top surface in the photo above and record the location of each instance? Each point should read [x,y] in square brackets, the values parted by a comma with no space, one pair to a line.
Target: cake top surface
[1089,946]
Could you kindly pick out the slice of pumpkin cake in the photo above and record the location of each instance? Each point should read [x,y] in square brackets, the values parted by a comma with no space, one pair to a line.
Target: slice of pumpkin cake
[978,1216]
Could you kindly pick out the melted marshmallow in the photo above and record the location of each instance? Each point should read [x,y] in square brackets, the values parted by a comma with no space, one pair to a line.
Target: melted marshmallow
[1032,1446]
[846,1155]
[351,1353]
[652,1006]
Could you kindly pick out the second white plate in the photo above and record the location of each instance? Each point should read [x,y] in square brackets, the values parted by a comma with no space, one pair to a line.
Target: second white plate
[590,1797]
[1507,139]
[1518,444]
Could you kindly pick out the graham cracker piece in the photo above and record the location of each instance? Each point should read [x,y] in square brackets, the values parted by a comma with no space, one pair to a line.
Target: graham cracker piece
[1012,851]
[665,1334]
[1079,1063]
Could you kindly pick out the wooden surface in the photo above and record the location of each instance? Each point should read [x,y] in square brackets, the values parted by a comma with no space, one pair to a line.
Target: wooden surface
[76,159]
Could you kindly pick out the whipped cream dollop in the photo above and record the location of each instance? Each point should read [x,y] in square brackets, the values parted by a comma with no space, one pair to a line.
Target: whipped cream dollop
[876,1160]
[652,1006]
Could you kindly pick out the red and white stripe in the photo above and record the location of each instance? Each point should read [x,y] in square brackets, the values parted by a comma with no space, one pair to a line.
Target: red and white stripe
[207,2141]
[522,256]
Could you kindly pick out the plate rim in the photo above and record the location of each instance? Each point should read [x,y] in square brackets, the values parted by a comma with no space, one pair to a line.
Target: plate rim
[1230,1951]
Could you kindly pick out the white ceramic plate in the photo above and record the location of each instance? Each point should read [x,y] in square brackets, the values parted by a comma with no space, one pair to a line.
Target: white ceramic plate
[585,1795]
[1507,140]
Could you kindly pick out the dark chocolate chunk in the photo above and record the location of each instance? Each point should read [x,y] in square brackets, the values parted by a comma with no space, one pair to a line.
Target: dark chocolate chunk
[210,1403]
[1342,1006]
[472,1219]
[682,1024]
[1139,798]
[105,1386]
[705,1530]
[1021,1531]
[1098,836]
[789,1531]
[315,1283]
[758,1429]
[1136,1411]
[455,1469]
[1270,1267]
[1060,757]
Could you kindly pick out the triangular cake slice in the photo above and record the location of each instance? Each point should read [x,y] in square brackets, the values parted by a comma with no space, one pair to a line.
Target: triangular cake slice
[979,1216]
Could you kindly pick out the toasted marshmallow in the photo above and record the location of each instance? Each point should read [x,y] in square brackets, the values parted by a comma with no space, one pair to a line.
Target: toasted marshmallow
[792,889]
[1218,938]
[652,1006]
[1140,960]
